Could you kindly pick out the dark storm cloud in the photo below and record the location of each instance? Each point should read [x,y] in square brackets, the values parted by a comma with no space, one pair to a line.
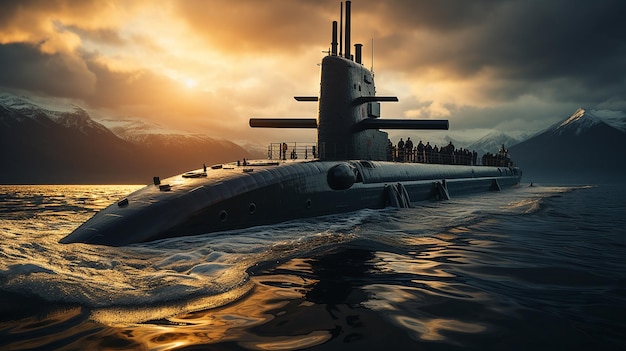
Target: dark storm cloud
[25,67]
[555,38]
[570,48]
[439,16]
[40,45]
[73,76]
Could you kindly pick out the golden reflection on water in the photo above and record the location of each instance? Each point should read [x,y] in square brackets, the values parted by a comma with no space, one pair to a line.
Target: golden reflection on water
[393,263]
[434,282]
[297,304]
[232,322]
[421,241]
[276,314]
[431,329]
[291,343]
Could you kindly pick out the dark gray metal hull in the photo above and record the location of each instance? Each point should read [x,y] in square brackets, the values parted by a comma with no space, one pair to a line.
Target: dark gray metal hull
[262,193]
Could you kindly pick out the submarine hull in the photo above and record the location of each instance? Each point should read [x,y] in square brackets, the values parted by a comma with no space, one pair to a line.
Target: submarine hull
[350,171]
[234,197]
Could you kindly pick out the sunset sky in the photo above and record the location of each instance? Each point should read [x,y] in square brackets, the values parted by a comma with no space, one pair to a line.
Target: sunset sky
[208,66]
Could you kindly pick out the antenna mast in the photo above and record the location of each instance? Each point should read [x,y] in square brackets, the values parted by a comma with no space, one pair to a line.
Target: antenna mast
[340,28]
[346,50]
[372,57]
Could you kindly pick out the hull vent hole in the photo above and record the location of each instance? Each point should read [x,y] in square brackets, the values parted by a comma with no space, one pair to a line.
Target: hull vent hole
[223,216]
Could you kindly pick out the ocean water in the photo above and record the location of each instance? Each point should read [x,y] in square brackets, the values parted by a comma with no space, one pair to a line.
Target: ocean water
[528,268]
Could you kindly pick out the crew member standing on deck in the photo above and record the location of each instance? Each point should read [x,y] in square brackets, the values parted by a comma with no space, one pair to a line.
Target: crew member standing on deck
[420,152]
[401,150]
[284,149]
[409,149]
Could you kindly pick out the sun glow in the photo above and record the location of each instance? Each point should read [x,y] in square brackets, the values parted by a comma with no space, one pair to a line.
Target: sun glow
[190,83]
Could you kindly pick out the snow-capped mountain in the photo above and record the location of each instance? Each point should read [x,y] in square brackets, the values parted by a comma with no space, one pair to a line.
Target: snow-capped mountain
[578,122]
[142,132]
[583,119]
[616,119]
[132,129]
[44,144]
[492,142]
[584,147]
[154,136]
[21,108]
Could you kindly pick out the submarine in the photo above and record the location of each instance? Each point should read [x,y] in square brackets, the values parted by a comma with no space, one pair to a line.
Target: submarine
[348,169]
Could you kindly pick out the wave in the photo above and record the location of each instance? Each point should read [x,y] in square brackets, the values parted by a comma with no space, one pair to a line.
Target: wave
[170,276]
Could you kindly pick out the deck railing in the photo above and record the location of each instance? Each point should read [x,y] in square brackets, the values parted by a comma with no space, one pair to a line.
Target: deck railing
[311,150]
[292,150]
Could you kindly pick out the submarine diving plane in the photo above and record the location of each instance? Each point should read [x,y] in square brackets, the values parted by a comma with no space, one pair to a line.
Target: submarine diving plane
[350,169]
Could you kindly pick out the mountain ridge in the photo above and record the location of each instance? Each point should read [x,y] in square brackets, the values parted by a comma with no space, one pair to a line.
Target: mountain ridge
[45,146]
[492,141]
[582,148]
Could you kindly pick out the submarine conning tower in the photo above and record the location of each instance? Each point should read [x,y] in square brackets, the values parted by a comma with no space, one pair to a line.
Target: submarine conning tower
[341,108]
[349,120]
